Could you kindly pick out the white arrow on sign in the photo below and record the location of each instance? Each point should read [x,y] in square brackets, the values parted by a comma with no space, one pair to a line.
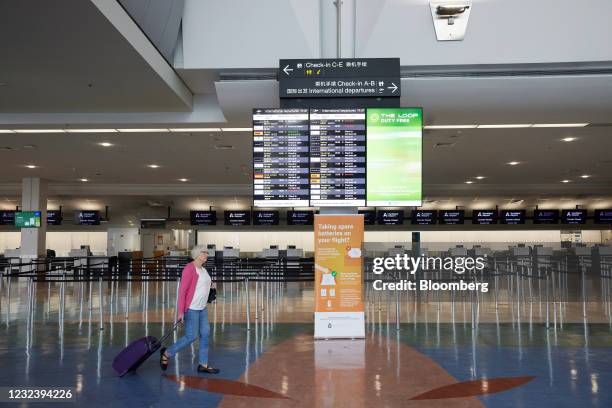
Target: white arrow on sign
[286,70]
[393,88]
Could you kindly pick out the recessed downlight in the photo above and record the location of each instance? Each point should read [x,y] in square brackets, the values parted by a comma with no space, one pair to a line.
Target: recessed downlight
[105,144]
[469,182]
[514,163]
[153,166]
[480,177]
[84,180]
[31,166]
[566,181]
[585,176]
[183,180]
[569,139]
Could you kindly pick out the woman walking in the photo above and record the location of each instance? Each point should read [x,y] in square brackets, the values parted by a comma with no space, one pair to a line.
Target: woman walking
[194,290]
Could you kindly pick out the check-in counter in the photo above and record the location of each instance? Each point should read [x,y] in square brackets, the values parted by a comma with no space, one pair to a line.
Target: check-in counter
[231,253]
[396,250]
[519,251]
[458,251]
[270,253]
[478,251]
[295,253]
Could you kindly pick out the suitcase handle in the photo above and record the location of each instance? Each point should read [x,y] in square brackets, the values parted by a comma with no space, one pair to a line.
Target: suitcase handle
[166,335]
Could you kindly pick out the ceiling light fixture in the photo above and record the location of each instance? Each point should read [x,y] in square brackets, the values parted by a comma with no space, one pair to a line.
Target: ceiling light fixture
[508,126]
[440,127]
[585,176]
[6,131]
[236,129]
[31,166]
[105,144]
[195,130]
[39,130]
[184,180]
[480,177]
[469,182]
[514,163]
[569,139]
[565,181]
[152,130]
[91,130]
[84,180]
[559,125]
[153,166]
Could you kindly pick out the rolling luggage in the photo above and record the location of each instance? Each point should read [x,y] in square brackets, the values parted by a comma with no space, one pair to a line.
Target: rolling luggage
[137,352]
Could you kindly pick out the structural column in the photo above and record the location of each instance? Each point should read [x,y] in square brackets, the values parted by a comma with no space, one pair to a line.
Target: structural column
[34,198]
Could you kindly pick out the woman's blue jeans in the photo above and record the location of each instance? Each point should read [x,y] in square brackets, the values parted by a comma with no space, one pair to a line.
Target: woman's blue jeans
[196,325]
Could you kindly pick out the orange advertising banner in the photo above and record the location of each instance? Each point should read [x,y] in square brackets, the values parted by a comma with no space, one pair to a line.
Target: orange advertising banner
[339,308]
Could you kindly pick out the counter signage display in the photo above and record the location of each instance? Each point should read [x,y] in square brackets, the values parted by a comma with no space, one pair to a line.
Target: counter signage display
[512,217]
[603,216]
[484,217]
[265,217]
[394,157]
[87,217]
[573,216]
[451,217]
[295,217]
[369,216]
[424,217]
[337,157]
[153,223]
[237,217]
[54,217]
[545,216]
[280,158]
[7,217]
[391,217]
[203,217]
[27,219]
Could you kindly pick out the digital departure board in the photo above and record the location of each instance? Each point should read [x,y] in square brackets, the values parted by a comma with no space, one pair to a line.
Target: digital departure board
[545,216]
[237,217]
[451,217]
[265,217]
[484,217]
[203,217]
[424,217]
[280,158]
[512,217]
[369,216]
[573,216]
[391,217]
[603,216]
[337,157]
[87,217]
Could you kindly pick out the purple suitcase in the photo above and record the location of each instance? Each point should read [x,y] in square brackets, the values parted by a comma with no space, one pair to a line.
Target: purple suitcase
[137,352]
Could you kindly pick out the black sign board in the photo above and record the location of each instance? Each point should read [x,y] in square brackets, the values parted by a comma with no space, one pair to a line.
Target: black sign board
[424,217]
[7,217]
[203,217]
[300,217]
[157,223]
[334,78]
[87,217]
[451,217]
[573,216]
[603,216]
[546,216]
[512,217]
[369,216]
[265,217]
[54,217]
[391,217]
[484,217]
[237,217]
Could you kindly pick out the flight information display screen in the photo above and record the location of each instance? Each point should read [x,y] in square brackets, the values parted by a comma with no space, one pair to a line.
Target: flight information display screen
[87,217]
[391,217]
[337,157]
[424,217]
[395,156]
[296,217]
[603,216]
[54,217]
[573,216]
[545,216]
[369,216]
[451,217]
[484,217]
[265,217]
[237,217]
[512,217]
[203,217]
[280,158]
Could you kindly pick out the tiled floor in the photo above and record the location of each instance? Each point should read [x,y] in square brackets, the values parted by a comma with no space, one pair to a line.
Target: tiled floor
[470,352]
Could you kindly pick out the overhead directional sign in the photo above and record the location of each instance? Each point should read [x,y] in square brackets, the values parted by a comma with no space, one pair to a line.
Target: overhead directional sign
[333,78]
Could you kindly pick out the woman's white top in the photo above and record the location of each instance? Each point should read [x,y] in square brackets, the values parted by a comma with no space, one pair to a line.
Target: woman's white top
[200,296]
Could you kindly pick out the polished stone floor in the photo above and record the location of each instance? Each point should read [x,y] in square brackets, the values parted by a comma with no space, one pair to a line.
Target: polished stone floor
[519,347]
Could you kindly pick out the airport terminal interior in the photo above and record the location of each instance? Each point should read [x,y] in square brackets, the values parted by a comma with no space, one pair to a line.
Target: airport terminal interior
[405,203]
